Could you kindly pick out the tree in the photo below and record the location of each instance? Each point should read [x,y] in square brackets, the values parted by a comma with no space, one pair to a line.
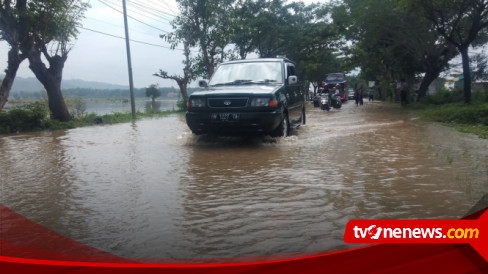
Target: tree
[268,28]
[393,41]
[243,27]
[153,92]
[313,43]
[12,32]
[208,22]
[46,29]
[459,22]
[181,35]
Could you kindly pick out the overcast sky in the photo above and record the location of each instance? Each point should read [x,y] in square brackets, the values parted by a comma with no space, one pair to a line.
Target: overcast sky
[99,54]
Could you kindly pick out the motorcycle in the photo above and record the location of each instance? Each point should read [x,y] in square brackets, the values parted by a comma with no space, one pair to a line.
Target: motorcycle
[324,101]
[327,101]
[336,101]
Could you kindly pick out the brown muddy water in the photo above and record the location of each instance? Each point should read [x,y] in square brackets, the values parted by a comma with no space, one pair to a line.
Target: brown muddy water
[151,189]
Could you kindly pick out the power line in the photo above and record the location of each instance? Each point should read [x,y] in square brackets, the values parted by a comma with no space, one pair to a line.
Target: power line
[153,10]
[132,40]
[108,5]
[95,20]
[144,14]
[165,3]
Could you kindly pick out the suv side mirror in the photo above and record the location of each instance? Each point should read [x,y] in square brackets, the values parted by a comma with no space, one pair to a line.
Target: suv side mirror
[292,79]
[202,83]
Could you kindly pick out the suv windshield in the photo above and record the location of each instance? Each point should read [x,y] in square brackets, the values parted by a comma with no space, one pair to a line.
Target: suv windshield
[334,77]
[250,72]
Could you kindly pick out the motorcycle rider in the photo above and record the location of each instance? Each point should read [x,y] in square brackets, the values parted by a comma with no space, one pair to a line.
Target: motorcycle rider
[337,92]
[338,89]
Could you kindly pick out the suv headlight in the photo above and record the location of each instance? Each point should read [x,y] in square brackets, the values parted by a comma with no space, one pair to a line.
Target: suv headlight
[263,102]
[197,102]
[260,102]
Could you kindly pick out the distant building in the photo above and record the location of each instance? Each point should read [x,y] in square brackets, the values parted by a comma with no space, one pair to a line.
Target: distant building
[457,82]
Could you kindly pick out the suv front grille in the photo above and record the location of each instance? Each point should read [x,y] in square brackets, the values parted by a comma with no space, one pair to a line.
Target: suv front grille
[227,102]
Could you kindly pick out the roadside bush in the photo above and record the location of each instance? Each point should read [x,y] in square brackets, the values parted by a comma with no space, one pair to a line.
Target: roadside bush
[480,96]
[181,104]
[443,96]
[76,106]
[26,117]
[475,114]
[5,123]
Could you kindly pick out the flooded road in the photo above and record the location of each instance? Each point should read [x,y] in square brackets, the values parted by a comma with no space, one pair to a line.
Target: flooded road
[151,189]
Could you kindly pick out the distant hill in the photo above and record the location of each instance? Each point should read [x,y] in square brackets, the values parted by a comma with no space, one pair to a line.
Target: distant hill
[31,84]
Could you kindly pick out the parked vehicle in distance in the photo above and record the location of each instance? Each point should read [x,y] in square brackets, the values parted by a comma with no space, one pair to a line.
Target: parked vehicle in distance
[332,79]
[252,96]
[350,94]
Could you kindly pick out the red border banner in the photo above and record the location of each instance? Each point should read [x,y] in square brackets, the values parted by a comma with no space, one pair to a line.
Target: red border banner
[28,247]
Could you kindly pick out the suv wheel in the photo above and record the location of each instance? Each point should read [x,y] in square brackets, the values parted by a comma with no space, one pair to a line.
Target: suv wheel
[283,128]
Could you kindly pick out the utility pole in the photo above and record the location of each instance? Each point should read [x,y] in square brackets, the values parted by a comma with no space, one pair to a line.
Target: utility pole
[129,63]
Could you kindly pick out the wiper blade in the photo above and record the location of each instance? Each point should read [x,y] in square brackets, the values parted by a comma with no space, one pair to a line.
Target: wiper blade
[265,81]
[235,82]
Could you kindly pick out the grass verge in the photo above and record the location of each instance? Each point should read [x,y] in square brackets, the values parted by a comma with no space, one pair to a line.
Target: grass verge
[35,117]
[471,118]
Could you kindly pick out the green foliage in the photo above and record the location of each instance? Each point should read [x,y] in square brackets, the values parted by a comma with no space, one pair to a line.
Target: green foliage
[76,106]
[443,96]
[268,28]
[459,113]
[27,117]
[447,107]
[480,96]
[181,104]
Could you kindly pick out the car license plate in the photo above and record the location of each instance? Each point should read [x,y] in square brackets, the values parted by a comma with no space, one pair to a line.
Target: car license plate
[225,117]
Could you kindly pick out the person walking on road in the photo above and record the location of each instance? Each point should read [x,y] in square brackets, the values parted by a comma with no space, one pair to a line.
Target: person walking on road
[356,96]
[361,94]
[403,92]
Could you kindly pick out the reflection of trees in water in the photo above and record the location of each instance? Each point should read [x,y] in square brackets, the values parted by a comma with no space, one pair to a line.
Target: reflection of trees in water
[153,105]
[40,184]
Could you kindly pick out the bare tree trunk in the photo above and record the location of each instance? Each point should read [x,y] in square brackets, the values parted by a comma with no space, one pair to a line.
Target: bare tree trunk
[242,52]
[429,77]
[51,80]
[183,88]
[466,74]
[14,60]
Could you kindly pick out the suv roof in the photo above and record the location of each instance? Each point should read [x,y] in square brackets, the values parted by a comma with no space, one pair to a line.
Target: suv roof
[259,60]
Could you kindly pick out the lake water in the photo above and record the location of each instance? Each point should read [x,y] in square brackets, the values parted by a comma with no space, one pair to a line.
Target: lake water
[106,106]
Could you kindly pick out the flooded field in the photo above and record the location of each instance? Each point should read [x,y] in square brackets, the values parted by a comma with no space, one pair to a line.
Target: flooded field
[104,106]
[151,189]
[107,106]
